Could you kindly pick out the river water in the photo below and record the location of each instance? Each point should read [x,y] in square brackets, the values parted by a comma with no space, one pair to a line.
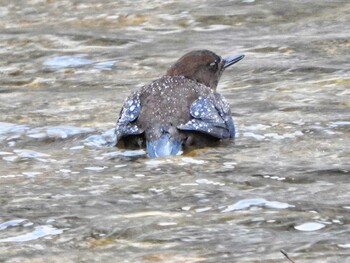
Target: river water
[66,196]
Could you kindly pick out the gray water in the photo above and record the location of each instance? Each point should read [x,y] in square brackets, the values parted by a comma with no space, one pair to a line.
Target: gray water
[65,196]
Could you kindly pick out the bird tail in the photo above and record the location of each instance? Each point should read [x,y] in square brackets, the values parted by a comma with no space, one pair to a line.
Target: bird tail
[165,145]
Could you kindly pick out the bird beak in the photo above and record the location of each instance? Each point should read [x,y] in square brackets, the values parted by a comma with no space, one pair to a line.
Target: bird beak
[232,60]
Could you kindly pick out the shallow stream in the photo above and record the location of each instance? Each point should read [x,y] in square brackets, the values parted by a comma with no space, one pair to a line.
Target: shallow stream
[283,184]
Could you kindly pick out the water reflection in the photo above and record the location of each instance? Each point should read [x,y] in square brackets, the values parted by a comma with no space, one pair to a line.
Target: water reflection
[38,232]
[309,226]
[244,204]
[76,61]
[67,195]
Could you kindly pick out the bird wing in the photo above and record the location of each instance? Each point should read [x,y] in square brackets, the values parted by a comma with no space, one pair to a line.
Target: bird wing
[211,115]
[129,113]
[225,113]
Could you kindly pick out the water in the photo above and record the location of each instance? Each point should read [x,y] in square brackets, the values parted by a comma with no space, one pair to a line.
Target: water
[66,196]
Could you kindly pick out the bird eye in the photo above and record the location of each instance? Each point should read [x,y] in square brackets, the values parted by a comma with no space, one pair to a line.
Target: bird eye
[213,66]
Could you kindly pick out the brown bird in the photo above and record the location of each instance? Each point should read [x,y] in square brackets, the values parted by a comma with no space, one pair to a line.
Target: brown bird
[180,109]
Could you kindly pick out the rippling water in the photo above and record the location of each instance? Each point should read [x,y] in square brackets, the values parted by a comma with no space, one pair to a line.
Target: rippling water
[66,196]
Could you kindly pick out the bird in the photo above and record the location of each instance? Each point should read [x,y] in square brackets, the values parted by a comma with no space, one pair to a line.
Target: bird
[180,109]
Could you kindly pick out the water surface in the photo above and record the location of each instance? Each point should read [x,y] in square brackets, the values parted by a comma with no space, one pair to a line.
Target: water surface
[65,196]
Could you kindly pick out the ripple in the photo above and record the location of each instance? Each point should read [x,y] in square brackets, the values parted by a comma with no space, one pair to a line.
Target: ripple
[14,222]
[61,62]
[38,232]
[253,135]
[58,132]
[256,127]
[31,174]
[76,61]
[47,132]
[206,181]
[247,203]
[5,153]
[107,65]
[339,123]
[203,209]
[189,160]
[344,245]
[167,224]
[133,153]
[275,177]
[273,135]
[211,28]
[309,226]
[125,153]
[102,139]
[6,127]
[95,168]
[10,158]
[24,153]
[154,162]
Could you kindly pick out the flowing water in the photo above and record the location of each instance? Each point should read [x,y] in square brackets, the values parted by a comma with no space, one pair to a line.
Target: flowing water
[66,196]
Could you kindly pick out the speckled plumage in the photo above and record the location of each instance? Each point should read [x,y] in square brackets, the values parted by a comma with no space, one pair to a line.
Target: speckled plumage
[179,109]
